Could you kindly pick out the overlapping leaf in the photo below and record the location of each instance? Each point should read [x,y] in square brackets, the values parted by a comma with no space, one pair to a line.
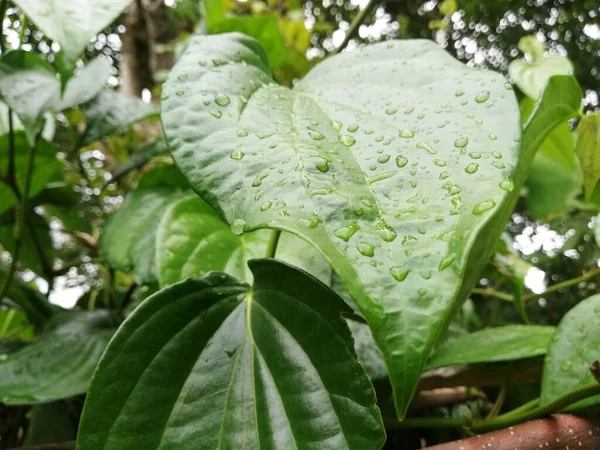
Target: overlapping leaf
[220,365]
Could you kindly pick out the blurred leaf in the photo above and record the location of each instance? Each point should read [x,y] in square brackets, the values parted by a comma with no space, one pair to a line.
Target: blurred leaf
[192,240]
[60,364]
[588,151]
[500,344]
[139,158]
[110,112]
[574,347]
[531,76]
[50,423]
[448,7]
[72,24]
[47,167]
[14,325]
[47,132]
[244,354]
[295,34]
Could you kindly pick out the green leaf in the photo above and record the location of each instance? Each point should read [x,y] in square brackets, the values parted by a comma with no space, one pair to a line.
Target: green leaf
[588,151]
[351,154]
[50,423]
[193,240]
[571,351]
[47,167]
[368,353]
[531,76]
[60,364]
[500,344]
[139,158]
[72,24]
[30,91]
[220,365]
[555,179]
[14,325]
[47,132]
[128,240]
[110,111]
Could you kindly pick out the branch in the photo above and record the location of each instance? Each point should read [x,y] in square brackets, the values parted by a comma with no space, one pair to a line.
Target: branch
[354,26]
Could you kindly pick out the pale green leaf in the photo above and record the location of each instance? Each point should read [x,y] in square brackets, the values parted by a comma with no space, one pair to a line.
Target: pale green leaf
[588,151]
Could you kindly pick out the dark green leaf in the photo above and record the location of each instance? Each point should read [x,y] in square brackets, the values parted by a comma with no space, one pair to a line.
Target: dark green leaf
[508,343]
[47,167]
[193,240]
[72,24]
[588,151]
[351,152]
[139,158]
[60,364]
[51,423]
[110,111]
[220,365]
[574,347]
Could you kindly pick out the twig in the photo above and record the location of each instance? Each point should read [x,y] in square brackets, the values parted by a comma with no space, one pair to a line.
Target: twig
[354,26]
[273,241]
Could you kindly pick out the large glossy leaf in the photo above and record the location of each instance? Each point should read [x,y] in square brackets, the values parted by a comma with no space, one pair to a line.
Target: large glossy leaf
[128,240]
[110,111]
[193,240]
[72,23]
[390,159]
[588,150]
[47,167]
[572,350]
[508,343]
[29,90]
[60,364]
[220,365]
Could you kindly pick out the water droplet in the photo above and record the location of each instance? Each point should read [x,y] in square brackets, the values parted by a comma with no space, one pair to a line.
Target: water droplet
[179,93]
[444,175]
[482,96]
[237,227]
[566,365]
[383,159]
[446,262]
[218,62]
[337,126]
[265,206]
[217,114]
[316,135]
[497,155]
[182,77]
[263,135]
[387,233]
[359,211]
[409,110]
[391,111]
[439,163]
[498,165]
[348,141]
[352,128]
[222,100]
[347,231]
[420,116]
[236,154]
[258,180]
[507,185]
[493,137]
[202,63]
[323,166]
[472,168]
[475,155]
[427,147]
[461,142]
[366,249]
[399,273]
[459,93]
[422,292]
[483,206]
[401,161]
[425,274]
[406,134]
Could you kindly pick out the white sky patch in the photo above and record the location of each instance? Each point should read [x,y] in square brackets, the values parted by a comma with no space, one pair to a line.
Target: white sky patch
[592,31]
[535,280]
[64,295]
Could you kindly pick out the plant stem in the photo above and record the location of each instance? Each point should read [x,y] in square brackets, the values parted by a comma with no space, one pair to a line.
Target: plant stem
[489,292]
[354,26]
[24,25]
[273,241]
[3,7]
[427,422]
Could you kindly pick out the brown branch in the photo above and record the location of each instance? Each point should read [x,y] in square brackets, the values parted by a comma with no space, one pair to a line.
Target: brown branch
[560,431]
[445,397]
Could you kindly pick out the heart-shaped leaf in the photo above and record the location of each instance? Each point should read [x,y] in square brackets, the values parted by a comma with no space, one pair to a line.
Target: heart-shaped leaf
[571,351]
[72,23]
[227,366]
[390,159]
[60,364]
[193,240]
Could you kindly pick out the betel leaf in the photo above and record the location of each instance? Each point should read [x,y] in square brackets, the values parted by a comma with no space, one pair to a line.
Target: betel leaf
[72,23]
[221,365]
[390,159]
[110,111]
[30,90]
[60,364]
[507,343]
[47,167]
[128,240]
[192,240]
[588,151]
[573,348]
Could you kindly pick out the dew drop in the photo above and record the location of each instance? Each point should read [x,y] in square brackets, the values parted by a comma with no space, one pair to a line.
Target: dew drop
[425,274]
[352,128]
[366,249]
[182,77]
[406,134]
[483,206]
[498,165]
[217,114]
[265,206]
[422,292]
[507,185]
[566,365]
[444,175]
[427,147]
[323,166]
[222,100]
[399,273]
[316,135]
[236,154]
[401,161]
[497,155]
[493,137]
[446,262]
[420,116]
[348,141]
[472,168]
[337,126]
[409,110]
[259,178]
[383,159]
[391,111]
[359,211]
[347,231]
[264,135]
[475,155]
[238,225]
[439,163]
[179,93]
[459,93]
[461,142]
[482,96]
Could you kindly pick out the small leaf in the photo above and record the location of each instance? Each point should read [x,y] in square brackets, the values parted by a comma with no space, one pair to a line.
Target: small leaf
[531,76]
[110,111]
[588,151]
[499,344]
[193,240]
[572,350]
[60,364]
[234,367]
[72,23]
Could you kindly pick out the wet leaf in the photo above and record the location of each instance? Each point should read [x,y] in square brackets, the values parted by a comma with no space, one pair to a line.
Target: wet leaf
[588,151]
